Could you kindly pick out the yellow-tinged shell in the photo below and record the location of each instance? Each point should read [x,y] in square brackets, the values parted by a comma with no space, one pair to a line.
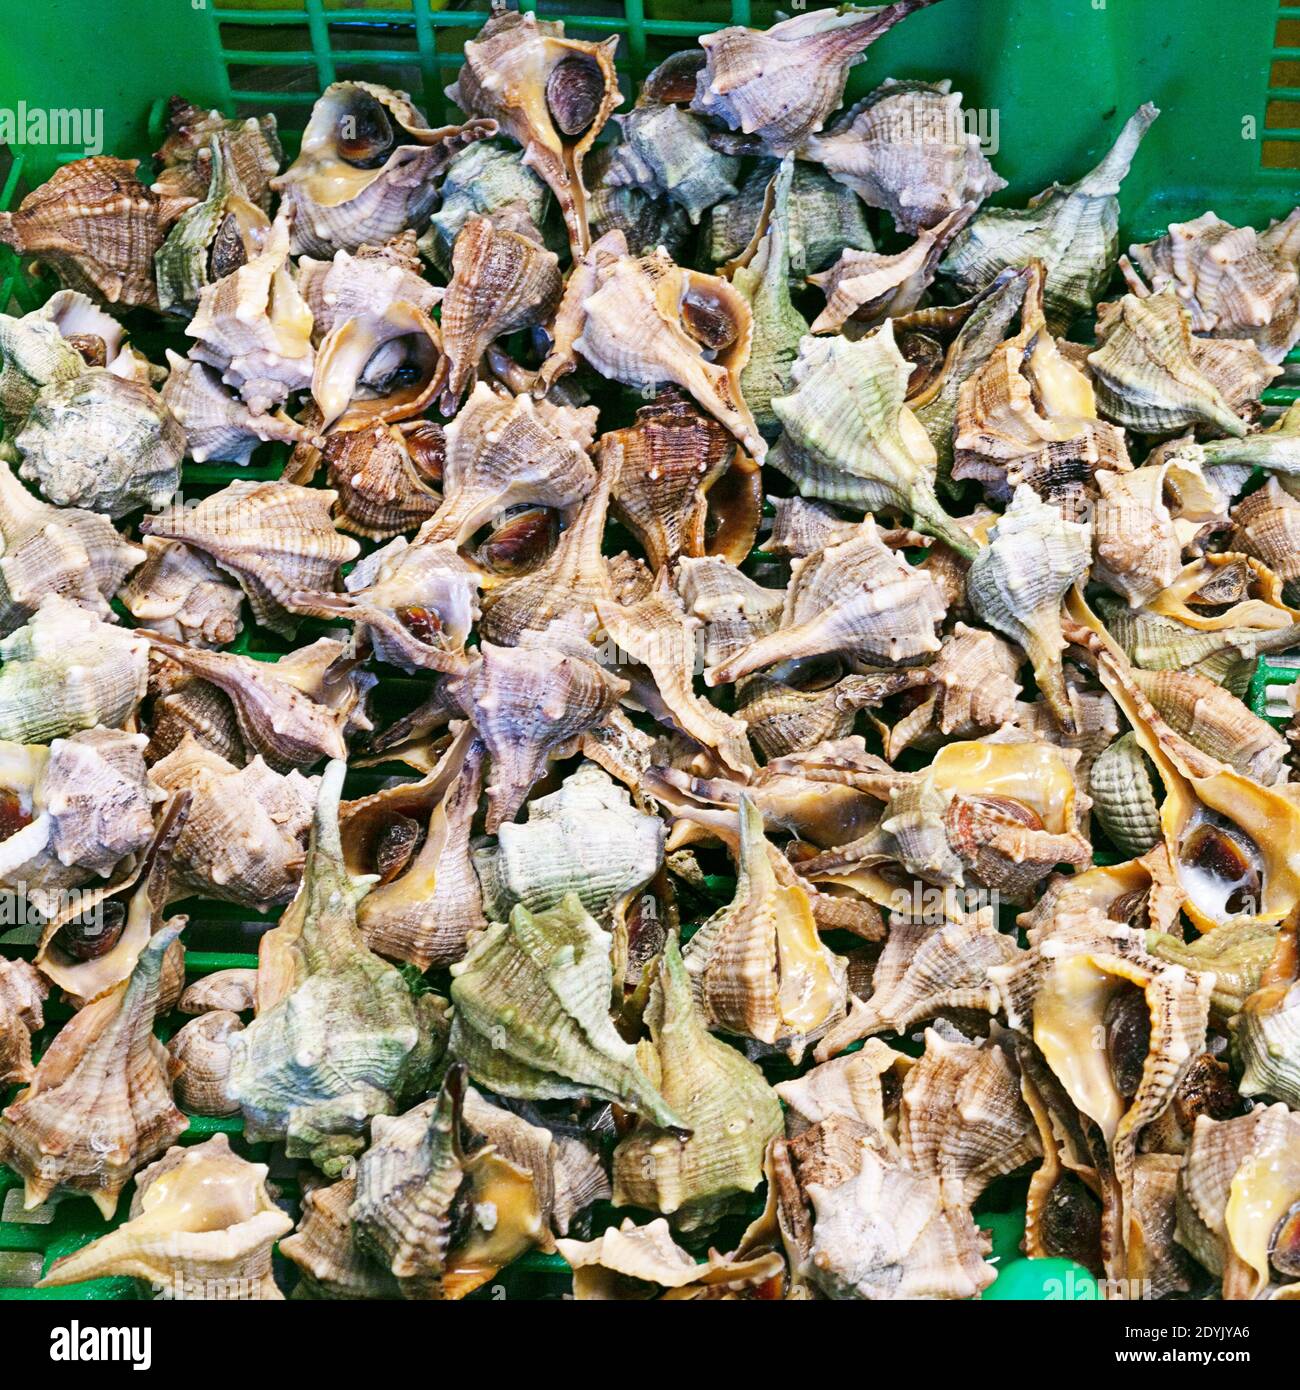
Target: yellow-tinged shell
[780,84]
[1235,281]
[862,1085]
[731,1110]
[857,597]
[500,282]
[99,1106]
[1151,375]
[186,153]
[366,169]
[550,93]
[907,148]
[1017,582]
[849,436]
[97,227]
[758,967]
[202,1226]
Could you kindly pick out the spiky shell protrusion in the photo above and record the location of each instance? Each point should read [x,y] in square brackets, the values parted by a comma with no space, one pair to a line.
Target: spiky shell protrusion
[22,995]
[180,593]
[665,151]
[532,1014]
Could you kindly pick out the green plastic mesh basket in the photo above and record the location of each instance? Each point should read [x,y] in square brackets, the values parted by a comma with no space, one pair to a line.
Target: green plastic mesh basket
[1052,82]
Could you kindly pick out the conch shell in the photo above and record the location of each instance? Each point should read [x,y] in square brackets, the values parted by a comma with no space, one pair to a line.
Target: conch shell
[348,1039]
[731,1110]
[99,1106]
[906,148]
[22,994]
[181,593]
[550,93]
[185,155]
[366,168]
[202,1226]
[665,151]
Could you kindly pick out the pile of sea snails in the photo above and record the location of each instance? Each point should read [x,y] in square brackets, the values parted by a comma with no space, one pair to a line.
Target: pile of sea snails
[827,790]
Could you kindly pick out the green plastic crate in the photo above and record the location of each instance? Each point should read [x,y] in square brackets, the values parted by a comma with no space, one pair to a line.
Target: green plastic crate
[1054,79]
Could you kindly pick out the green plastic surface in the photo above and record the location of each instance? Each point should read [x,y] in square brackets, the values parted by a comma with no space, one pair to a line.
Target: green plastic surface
[1051,81]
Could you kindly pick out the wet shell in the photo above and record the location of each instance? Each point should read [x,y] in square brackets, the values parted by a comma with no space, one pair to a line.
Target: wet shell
[101,442]
[245,838]
[500,282]
[219,427]
[35,353]
[1124,797]
[758,968]
[850,438]
[665,152]
[210,239]
[1266,524]
[551,94]
[276,539]
[348,1040]
[503,451]
[862,1085]
[788,718]
[780,84]
[180,593]
[734,609]
[329,1265]
[825,218]
[923,972]
[527,705]
[185,154]
[906,148]
[22,994]
[56,550]
[730,1109]
[366,168]
[97,227]
[1267,1034]
[800,527]
[490,180]
[426,905]
[1018,580]
[202,1226]
[643,222]
[531,1014]
[65,671]
[1072,228]
[99,1106]
[1153,376]
[1236,282]
[657,633]
[383,488]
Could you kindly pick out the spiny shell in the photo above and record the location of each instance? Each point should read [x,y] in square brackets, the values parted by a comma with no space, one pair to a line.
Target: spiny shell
[734,609]
[501,281]
[525,75]
[65,671]
[850,438]
[785,718]
[233,991]
[202,1226]
[245,838]
[210,239]
[1236,953]
[642,221]
[1267,1034]
[527,704]
[781,83]
[274,538]
[922,972]
[665,151]
[97,227]
[1266,524]
[423,909]
[366,168]
[856,597]
[858,1086]
[100,1104]
[381,477]
[491,180]
[56,550]
[1016,584]
[586,838]
[532,1014]
[1072,228]
[1124,798]
[348,1040]
[254,327]
[758,968]
[22,993]
[731,1110]
[800,527]
[35,353]
[181,593]
[218,426]
[1235,281]
[103,442]
[906,148]
[329,1265]
[504,450]
[414,1182]
[185,154]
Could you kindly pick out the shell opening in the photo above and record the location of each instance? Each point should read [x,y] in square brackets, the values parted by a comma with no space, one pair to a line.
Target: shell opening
[366,136]
[1221,868]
